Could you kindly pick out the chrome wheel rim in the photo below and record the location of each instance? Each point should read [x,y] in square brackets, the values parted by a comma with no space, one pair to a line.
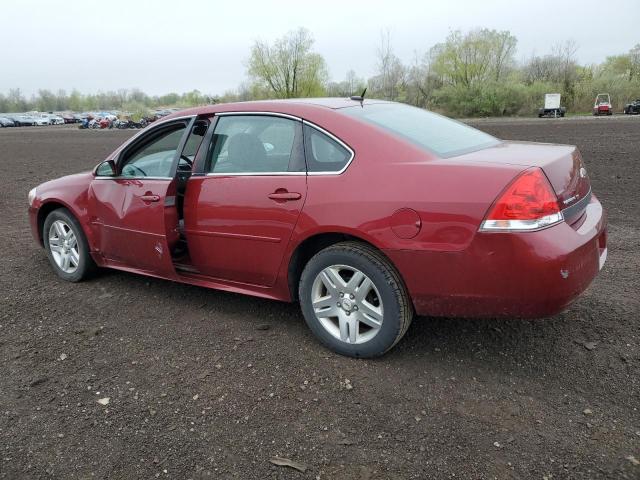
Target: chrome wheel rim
[347,304]
[64,246]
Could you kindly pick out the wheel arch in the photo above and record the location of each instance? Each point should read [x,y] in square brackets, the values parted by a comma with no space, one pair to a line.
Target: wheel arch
[49,206]
[311,245]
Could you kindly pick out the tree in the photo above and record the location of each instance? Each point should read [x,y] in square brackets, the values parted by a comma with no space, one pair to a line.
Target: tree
[478,56]
[194,98]
[351,85]
[169,99]
[504,46]
[288,68]
[76,101]
[16,101]
[421,80]
[46,101]
[390,80]
[627,64]
[354,85]
[619,65]
[634,59]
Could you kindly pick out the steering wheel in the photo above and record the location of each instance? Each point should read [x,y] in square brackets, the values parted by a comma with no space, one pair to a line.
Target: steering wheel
[144,174]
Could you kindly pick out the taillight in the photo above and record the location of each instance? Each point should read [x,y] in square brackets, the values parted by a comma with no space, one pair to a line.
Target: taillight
[528,203]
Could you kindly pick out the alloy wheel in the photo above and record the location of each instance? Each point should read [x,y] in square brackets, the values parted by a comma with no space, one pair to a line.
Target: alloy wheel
[347,304]
[64,246]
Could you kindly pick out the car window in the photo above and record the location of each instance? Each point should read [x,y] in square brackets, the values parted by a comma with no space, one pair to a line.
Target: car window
[154,158]
[195,139]
[427,130]
[192,145]
[323,153]
[254,144]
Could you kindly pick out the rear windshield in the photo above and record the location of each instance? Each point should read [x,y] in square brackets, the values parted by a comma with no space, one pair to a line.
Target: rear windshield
[430,131]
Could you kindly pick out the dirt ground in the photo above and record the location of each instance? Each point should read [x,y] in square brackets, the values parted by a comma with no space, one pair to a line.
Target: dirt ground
[204,384]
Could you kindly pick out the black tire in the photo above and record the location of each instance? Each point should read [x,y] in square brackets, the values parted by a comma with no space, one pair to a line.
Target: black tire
[398,309]
[86,266]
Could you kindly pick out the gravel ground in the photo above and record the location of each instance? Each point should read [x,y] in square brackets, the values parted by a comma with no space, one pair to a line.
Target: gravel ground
[205,384]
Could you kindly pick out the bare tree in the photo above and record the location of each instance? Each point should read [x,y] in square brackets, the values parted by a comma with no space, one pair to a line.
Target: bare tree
[566,53]
[634,61]
[504,48]
[391,73]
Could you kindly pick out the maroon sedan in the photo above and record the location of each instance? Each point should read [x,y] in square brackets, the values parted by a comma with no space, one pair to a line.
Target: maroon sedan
[364,212]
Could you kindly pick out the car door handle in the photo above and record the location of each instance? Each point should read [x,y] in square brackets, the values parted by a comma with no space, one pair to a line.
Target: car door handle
[150,198]
[283,195]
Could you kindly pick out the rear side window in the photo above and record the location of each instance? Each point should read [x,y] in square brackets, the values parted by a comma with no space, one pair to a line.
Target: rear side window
[427,130]
[323,153]
[244,144]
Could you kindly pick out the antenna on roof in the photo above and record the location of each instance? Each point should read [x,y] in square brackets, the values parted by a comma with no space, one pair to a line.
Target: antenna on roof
[359,98]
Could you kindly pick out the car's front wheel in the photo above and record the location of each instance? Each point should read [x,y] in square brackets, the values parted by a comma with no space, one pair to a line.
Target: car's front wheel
[67,246]
[354,300]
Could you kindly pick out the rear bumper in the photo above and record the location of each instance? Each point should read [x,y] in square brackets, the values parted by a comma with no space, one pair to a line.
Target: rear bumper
[526,275]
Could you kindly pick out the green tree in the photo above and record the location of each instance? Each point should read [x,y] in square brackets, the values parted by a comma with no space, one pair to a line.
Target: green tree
[477,56]
[46,101]
[76,101]
[288,68]
[627,64]
[16,101]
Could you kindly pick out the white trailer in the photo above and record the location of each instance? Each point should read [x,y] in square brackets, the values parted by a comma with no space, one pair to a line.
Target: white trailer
[552,106]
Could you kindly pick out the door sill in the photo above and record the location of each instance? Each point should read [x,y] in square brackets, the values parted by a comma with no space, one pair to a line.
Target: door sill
[185,267]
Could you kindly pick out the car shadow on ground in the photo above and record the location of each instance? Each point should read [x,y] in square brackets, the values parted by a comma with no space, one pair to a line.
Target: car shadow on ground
[491,340]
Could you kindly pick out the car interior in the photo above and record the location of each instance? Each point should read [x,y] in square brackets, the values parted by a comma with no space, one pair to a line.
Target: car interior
[184,171]
[245,144]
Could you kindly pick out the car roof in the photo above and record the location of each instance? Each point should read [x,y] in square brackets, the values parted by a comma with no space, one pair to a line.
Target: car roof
[292,106]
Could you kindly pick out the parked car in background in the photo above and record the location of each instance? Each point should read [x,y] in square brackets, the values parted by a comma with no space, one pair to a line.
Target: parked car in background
[41,119]
[55,119]
[365,212]
[24,120]
[158,114]
[6,122]
[68,118]
[632,108]
[602,105]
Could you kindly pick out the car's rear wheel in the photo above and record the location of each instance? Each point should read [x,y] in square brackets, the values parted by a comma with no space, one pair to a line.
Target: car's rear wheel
[66,246]
[354,300]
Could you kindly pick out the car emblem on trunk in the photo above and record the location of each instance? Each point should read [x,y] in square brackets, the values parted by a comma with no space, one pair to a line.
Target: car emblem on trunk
[583,172]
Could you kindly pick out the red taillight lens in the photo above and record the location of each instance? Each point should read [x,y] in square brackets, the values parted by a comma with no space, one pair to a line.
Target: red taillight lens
[528,203]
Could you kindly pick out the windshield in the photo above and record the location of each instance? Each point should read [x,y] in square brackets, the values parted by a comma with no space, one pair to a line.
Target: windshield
[430,131]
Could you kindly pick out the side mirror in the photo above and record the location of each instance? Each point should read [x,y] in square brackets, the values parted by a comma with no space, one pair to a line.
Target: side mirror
[105,169]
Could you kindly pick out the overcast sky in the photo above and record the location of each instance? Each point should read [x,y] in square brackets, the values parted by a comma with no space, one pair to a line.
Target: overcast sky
[162,46]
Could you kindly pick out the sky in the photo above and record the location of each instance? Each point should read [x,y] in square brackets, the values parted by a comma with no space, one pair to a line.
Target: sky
[163,46]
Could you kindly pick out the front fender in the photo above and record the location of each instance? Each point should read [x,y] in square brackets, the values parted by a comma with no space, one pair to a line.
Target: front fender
[72,193]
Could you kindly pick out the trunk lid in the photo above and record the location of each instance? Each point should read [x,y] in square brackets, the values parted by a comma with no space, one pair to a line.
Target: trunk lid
[562,164]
